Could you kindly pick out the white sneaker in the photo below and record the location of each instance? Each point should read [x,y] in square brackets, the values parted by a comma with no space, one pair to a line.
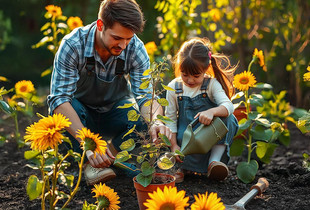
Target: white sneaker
[95,175]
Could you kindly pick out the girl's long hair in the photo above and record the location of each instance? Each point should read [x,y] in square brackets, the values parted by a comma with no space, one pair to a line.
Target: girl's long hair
[194,58]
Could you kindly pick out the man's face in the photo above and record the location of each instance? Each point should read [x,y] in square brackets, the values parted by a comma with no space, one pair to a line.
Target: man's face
[115,39]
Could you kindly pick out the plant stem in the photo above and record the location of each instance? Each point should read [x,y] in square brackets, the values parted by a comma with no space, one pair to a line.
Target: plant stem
[17,134]
[250,65]
[54,179]
[44,181]
[78,182]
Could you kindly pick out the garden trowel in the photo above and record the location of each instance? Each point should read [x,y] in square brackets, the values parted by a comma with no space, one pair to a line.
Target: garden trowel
[256,189]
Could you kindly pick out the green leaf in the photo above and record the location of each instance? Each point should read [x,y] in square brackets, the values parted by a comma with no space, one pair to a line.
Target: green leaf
[45,26]
[147,103]
[147,169]
[46,72]
[237,95]
[66,179]
[165,163]
[128,145]
[237,147]
[164,119]
[6,107]
[285,137]
[265,150]
[67,140]
[147,72]
[144,180]
[167,87]
[130,131]
[263,121]
[261,133]
[144,84]
[165,139]
[263,85]
[122,157]
[246,172]
[133,115]
[126,106]
[34,187]
[163,102]
[31,154]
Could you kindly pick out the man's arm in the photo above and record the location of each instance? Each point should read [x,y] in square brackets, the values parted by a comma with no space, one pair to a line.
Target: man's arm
[67,110]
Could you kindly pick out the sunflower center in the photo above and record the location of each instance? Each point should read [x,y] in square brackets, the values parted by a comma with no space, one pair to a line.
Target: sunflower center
[54,11]
[23,88]
[167,206]
[244,80]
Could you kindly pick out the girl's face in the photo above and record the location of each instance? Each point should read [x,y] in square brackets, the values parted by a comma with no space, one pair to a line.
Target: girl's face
[192,80]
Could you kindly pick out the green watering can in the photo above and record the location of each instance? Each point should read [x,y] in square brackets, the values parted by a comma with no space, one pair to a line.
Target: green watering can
[203,138]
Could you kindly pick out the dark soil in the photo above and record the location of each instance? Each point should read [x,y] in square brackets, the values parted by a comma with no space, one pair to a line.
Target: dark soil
[289,181]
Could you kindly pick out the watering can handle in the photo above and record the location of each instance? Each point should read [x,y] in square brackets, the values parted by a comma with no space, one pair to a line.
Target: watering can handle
[194,122]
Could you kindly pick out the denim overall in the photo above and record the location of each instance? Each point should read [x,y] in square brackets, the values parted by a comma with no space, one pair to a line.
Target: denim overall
[188,108]
[96,101]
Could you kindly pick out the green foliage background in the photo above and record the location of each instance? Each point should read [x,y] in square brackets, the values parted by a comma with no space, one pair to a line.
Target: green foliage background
[281,28]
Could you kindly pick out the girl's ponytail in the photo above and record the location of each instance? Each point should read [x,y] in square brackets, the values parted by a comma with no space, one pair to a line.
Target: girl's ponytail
[224,73]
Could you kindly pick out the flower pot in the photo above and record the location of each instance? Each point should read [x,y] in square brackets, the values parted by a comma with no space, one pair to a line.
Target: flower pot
[142,192]
[240,113]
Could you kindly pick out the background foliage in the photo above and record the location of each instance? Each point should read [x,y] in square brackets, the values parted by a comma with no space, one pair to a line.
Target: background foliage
[280,28]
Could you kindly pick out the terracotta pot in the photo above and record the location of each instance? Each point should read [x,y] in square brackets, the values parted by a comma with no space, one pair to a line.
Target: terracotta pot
[240,113]
[142,192]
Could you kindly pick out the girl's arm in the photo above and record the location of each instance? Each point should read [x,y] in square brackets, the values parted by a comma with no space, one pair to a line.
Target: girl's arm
[206,117]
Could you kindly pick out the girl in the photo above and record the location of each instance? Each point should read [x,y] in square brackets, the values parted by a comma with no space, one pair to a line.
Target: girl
[203,89]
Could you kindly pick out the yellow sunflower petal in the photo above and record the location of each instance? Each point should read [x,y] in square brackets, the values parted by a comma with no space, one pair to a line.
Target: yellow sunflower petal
[54,10]
[108,193]
[244,81]
[169,198]
[74,22]
[211,202]
[24,87]
[91,141]
[46,133]
[260,57]
[307,76]
[150,48]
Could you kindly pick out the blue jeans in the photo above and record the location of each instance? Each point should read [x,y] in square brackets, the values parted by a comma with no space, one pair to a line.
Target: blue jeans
[113,124]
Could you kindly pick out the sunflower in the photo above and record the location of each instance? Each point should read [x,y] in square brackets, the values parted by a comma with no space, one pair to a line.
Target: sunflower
[244,80]
[260,56]
[167,199]
[24,87]
[47,132]
[74,22]
[107,198]
[151,48]
[91,141]
[205,202]
[307,74]
[55,11]
[215,14]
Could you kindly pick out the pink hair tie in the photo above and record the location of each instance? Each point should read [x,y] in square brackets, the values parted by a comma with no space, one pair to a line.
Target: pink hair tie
[209,55]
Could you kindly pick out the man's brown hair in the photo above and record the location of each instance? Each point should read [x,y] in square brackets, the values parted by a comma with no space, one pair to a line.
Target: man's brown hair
[125,12]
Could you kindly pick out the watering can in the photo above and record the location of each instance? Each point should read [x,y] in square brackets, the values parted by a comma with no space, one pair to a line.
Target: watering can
[202,139]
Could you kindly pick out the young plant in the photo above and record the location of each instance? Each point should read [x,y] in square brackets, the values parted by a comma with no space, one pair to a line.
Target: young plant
[21,102]
[149,154]
[255,133]
[55,29]
[45,137]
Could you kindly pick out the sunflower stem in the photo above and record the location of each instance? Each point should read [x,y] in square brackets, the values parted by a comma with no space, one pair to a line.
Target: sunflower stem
[78,182]
[54,179]
[250,65]
[44,181]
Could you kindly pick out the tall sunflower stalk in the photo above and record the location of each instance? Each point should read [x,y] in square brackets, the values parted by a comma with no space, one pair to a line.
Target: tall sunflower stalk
[254,125]
[44,137]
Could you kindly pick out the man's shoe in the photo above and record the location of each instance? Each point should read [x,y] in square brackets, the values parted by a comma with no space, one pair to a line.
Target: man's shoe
[217,171]
[95,175]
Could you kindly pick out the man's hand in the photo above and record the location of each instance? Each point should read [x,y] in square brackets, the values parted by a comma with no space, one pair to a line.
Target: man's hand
[159,128]
[173,148]
[101,161]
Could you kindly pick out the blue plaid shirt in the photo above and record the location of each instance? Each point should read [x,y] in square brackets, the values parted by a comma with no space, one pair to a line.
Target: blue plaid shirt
[71,57]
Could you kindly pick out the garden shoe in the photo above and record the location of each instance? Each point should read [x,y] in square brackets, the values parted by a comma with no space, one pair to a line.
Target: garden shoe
[95,175]
[217,171]
[179,176]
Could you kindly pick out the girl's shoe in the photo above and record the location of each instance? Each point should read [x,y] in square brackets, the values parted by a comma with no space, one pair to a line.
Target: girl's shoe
[217,171]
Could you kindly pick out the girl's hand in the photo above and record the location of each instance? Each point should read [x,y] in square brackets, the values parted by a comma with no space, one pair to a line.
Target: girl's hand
[205,117]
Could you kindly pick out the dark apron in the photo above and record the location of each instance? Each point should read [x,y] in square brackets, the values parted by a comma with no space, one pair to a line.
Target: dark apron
[98,93]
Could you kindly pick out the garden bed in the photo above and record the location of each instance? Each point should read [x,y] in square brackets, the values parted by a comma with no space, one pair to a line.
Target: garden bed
[289,181]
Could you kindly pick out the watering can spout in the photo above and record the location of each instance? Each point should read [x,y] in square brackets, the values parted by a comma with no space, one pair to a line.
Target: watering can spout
[202,139]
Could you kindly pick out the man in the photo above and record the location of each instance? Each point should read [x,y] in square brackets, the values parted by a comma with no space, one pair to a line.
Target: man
[96,69]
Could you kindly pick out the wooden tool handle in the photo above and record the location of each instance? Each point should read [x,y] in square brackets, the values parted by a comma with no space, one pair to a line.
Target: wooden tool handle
[261,185]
